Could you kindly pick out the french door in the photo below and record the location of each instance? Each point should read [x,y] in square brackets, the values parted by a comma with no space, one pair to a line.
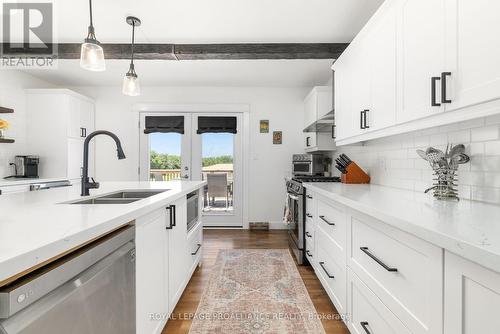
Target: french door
[217,158]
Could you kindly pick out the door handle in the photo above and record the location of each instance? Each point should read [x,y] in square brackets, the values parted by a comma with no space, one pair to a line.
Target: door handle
[364,324]
[322,264]
[433,92]
[174,214]
[443,87]
[326,221]
[376,259]
[307,141]
[361,126]
[333,131]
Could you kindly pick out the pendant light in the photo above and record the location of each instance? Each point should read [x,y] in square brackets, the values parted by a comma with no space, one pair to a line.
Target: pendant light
[92,55]
[131,85]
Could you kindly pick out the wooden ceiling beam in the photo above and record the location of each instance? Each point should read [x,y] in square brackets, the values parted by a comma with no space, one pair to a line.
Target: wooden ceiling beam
[207,51]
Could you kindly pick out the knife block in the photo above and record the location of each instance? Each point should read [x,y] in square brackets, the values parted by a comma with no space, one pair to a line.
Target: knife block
[355,175]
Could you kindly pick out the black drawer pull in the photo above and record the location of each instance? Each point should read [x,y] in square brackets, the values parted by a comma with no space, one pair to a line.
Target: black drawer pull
[326,271]
[308,235]
[309,253]
[197,249]
[364,324]
[443,87]
[326,221]
[386,267]
[365,122]
[309,196]
[361,118]
[433,91]
[309,215]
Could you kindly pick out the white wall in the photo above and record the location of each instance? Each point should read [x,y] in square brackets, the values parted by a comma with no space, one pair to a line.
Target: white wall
[392,161]
[269,163]
[12,85]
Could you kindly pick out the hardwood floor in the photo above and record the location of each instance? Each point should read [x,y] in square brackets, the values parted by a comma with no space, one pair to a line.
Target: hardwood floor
[213,241]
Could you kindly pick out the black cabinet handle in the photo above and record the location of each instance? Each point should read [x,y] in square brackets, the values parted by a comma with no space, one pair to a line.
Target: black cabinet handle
[307,141]
[169,209]
[174,214]
[386,267]
[361,126]
[333,131]
[81,132]
[309,253]
[322,264]
[326,221]
[364,324]
[433,91]
[308,235]
[365,122]
[443,87]
[309,196]
[308,215]
[197,249]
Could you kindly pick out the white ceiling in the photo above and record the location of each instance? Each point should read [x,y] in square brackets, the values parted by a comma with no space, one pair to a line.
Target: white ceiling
[280,73]
[209,21]
[216,21]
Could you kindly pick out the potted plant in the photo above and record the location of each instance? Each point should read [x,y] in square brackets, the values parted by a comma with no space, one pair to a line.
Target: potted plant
[4,125]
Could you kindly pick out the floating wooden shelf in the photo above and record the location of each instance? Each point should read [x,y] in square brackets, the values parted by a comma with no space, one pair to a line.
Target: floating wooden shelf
[4,110]
[7,141]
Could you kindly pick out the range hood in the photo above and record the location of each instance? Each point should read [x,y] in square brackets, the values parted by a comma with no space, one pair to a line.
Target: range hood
[327,122]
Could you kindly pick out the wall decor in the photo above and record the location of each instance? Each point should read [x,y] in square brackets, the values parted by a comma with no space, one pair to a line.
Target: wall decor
[277,137]
[264,126]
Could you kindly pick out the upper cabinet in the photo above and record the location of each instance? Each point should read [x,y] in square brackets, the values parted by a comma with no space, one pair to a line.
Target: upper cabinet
[316,107]
[414,63]
[58,122]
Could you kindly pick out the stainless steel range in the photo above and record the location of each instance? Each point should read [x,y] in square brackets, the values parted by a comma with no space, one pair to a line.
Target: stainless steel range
[297,208]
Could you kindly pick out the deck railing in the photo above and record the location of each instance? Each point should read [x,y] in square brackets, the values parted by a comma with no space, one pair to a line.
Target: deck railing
[173,174]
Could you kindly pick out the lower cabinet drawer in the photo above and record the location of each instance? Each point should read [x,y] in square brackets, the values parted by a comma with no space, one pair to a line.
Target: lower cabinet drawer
[332,275]
[405,272]
[332,219]
[367,314]
[195,238]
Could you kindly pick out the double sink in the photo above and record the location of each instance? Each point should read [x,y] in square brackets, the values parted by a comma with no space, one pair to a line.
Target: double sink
[120,197]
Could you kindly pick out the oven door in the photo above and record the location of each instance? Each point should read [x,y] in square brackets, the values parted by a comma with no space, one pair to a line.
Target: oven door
[296,225]
[302,168]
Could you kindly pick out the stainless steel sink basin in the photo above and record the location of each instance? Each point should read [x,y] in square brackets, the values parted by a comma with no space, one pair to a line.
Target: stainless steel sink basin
[134,194]
[106,201]
[121,197]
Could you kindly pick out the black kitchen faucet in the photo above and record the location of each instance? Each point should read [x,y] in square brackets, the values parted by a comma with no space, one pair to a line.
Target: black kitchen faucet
[86,184]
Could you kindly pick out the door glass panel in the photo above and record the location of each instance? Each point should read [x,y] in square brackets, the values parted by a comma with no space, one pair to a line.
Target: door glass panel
[165,156]
[217,170]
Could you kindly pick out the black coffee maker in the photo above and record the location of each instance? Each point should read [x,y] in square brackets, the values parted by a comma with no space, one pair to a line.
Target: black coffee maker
[26,166]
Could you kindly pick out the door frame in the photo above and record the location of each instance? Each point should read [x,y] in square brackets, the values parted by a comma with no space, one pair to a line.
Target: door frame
[170,109]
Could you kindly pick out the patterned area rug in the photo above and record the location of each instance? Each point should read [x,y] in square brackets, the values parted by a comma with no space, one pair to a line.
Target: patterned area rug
[256,291]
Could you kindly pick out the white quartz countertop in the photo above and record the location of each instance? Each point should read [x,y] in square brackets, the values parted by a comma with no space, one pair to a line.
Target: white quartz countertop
[36,226]
[467,228]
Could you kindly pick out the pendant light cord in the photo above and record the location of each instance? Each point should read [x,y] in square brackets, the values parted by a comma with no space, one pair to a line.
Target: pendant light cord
[133,41]
[90,6]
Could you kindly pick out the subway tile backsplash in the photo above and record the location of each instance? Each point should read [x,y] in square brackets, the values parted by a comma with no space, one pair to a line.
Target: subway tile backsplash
[393,162]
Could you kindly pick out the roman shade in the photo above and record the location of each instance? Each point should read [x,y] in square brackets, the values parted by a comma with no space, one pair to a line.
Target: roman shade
[216,124]
[164,124]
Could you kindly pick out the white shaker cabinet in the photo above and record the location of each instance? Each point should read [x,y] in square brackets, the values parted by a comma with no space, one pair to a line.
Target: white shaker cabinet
[317,104]
[60,120]
[421,58]
[151,272]
[473,52]
[471,297]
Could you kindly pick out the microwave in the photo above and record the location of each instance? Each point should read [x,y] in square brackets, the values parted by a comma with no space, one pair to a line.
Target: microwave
[307,164]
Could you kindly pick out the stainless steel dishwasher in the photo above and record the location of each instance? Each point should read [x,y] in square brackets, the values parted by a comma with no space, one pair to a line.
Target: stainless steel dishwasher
[89,291]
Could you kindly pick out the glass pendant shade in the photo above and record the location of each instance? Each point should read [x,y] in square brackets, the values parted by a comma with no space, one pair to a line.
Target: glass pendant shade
[92,56]
[131,86]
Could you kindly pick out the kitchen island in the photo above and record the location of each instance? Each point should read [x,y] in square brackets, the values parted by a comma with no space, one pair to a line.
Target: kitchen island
[44,229]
